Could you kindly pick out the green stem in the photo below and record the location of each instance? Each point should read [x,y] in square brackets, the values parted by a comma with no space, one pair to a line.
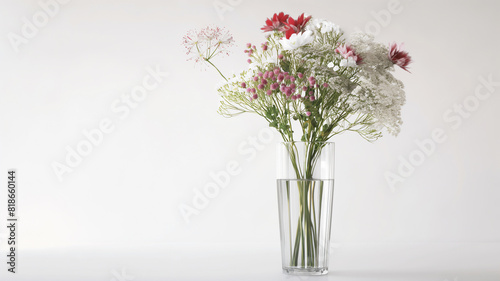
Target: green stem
[207,60]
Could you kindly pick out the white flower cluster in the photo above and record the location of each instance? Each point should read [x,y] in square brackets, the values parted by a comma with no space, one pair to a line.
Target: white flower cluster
[322,26]
[297,40]
[379,93]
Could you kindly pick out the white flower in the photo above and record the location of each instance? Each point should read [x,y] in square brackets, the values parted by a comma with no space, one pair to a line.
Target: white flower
[332,65]
[349,62]
[322,25]
[297,40]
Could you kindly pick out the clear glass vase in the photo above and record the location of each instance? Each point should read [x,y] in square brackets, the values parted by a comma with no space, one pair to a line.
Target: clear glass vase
[305,178]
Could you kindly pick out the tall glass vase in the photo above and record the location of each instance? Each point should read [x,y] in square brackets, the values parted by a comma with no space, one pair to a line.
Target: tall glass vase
[305,178]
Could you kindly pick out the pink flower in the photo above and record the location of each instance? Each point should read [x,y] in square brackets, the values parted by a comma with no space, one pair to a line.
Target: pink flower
[308,113]
[296,26]
[204,44]
[312,81]
[398,56]
[277,23]
[348,52]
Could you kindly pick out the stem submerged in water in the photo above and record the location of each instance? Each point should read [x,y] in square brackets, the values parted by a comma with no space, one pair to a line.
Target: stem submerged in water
[306,244]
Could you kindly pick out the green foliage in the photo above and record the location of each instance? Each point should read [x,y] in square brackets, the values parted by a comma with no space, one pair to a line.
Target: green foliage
[330,112]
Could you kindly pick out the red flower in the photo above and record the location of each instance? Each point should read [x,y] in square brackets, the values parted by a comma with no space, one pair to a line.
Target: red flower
[295,26]
[398,56]
[278,23]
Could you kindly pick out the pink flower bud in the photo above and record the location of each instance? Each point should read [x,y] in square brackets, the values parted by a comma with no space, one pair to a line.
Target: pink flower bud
[243,85]
[261,86]
[300,75]
[308,113]
[312,98]
[269,92]
[255,96]
[264,81]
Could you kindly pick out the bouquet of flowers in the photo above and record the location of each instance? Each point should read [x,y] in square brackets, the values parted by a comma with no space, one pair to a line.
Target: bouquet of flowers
[310,84]
[306,71]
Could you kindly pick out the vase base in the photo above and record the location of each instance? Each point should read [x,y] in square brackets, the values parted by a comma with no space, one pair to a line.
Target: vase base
[305,271]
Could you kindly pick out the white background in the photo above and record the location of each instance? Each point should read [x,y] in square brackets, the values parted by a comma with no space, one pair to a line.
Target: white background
[116,215]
